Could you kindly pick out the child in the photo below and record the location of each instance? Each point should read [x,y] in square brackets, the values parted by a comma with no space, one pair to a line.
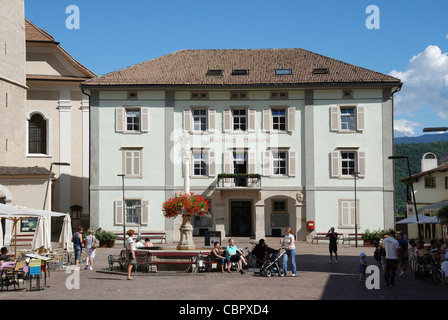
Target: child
[362,267]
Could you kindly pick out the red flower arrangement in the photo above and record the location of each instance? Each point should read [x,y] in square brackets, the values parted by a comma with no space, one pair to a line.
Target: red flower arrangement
[194,204]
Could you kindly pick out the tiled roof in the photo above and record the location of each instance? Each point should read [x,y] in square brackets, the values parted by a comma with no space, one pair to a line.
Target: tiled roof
[34,33]
[189,68]
[442,168]
[23,171]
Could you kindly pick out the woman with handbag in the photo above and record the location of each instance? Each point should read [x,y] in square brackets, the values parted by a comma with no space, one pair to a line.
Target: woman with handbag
[90,245]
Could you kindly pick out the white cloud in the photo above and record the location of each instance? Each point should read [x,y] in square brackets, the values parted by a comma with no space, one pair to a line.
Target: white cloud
[425,83]
[404,127]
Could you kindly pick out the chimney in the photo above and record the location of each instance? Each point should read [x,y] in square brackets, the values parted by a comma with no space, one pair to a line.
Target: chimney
[429,161]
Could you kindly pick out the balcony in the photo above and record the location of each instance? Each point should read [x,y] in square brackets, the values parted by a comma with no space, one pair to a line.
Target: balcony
[236,181]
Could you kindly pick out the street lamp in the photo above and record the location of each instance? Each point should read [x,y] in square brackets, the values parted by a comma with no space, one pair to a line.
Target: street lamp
[412,190]
[49,178]
[355,175]
[124,209]
[435,129]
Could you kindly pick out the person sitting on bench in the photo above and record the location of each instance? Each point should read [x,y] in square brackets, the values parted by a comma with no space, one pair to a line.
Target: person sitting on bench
[218,254]
[235,255]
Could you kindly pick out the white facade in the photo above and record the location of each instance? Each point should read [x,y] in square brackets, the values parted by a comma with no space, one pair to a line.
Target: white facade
[306,166]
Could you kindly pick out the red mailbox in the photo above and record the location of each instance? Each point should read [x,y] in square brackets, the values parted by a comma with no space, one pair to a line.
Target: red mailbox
[310,225]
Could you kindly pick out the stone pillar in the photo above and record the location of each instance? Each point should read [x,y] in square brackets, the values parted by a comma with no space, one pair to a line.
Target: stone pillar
[219,215]
[64,150]
[260,227]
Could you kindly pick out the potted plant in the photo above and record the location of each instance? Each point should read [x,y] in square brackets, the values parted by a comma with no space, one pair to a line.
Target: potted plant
[369,237]
[106,238]
[187,205]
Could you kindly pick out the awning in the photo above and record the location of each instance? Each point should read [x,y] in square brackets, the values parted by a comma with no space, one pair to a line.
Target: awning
[435,206]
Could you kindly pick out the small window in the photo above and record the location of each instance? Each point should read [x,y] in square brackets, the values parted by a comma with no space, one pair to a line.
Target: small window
[239,119]
[279,119]
[446,183]
[283,72]
[279,205]
[279,163]
[240,72]
[321,71]
[132,95]
[279,95]
[214,72]
[239,95]
[37,134]
[348,163]
[347,94]
[133,208]
[132,119]
[199,119]
[430,182]
[348,121]
[200,164]
[199,96]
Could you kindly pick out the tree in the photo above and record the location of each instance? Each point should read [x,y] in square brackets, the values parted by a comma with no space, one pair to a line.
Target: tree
[443,215]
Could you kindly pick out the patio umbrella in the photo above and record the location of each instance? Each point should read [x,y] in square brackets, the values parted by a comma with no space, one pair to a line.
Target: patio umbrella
[65,239]
[1,233]
[16,214]
[42,236]
[413,220]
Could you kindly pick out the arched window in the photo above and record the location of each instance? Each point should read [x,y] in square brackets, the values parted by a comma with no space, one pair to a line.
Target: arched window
[37,134]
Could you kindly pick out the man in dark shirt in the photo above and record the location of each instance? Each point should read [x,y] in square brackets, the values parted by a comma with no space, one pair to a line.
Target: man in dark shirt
[4,254]
[333,237]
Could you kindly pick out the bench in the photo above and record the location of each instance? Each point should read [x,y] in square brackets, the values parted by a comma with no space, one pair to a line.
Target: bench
[194,258]
[121,259]
[151,235]
[352,236]
[318,236]
[22,238]
[141,258]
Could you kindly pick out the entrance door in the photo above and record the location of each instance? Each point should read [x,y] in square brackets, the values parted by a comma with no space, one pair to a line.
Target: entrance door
[241,218]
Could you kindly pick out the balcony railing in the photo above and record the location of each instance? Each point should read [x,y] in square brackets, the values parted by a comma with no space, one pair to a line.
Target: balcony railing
[241,180]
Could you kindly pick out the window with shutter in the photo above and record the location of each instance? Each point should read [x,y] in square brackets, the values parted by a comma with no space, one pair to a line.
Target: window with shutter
[145,213]
[132,161]
[344,163]
[347,212]
[347,118]
[119,212]
[187,120]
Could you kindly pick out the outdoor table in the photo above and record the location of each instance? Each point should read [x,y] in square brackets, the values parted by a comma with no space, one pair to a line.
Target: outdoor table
[45,268]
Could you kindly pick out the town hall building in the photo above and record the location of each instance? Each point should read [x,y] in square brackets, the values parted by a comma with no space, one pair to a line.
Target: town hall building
[277,138]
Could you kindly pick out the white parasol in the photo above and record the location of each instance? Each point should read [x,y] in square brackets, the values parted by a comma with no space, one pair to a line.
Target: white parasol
[65,239]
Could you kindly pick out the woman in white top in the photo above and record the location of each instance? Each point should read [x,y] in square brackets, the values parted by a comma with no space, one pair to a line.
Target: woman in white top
[89,241]
[289,246]
[130,247]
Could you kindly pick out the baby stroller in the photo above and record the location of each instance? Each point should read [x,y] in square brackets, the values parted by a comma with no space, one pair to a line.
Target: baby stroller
[271,266]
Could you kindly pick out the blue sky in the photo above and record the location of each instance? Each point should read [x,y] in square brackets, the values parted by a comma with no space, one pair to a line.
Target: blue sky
[412,42]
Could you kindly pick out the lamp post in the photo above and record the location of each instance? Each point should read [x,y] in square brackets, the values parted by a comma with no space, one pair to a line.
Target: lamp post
[355,175]
[435,129]
[412,190]
[124,209]
[49,178]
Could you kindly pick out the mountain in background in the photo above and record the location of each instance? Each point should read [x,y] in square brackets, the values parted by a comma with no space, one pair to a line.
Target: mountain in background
[426,138]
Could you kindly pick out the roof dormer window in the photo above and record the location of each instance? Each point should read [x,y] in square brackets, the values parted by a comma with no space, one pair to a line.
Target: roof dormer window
[321,70]
[283,72]
[240,72]
[214,72]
